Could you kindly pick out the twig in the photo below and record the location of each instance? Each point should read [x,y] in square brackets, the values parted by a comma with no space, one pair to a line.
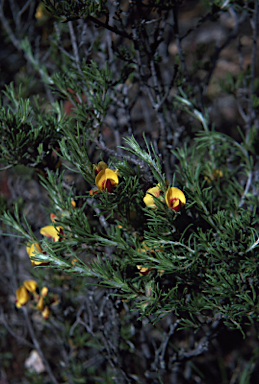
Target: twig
[253,246]
[217,52]
[251,112]
[75,49]
[178,40]
[19,338]
[18,46]
[101,145]
[27,319]
[110,28]
[248,184]
[37,345]
[160,352]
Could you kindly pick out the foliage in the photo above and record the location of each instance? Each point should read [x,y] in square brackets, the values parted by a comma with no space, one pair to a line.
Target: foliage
[195,261]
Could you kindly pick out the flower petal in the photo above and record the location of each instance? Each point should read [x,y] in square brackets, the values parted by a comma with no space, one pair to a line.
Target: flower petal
[51,232]
[22,296]
[148,199]
[30,285]
[45,313]
[40,304]
[31,250]
[99,167]
[44,291]
[102,178]
[175,198]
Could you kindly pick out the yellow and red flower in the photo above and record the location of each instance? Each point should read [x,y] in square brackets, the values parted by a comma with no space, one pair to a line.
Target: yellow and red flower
[106,180]
[52,232]
[149,200]
[175,198]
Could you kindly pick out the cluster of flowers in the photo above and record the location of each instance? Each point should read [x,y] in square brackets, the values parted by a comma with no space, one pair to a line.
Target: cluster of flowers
[107,179]
[174,197]
[29,292]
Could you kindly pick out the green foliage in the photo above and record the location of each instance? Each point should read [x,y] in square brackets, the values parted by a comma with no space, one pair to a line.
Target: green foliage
[28,132]
[197,263]
[70,10]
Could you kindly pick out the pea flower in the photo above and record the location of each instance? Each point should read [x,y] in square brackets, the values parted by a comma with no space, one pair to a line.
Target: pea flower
[106,180]
[30,285]
[22,296]
[143,270]
[175,198]
[52,232]
[99,167]
[31,250]
[148,199]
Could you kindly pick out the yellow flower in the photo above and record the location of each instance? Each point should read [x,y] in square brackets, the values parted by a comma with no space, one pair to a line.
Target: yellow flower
[22,296]
[148,199]
[44,291]
[175,198]
[99,167]
[45,313]
[52,232]
[106,180]
[40,12]
[143,270]
[40,304]
[31,250]
[30,285]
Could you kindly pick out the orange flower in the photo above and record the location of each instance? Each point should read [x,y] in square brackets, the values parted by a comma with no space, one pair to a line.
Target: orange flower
[175,198]
[22,296]
[52,232]
[93,191]
[106,180]
[53,217]
[148,199]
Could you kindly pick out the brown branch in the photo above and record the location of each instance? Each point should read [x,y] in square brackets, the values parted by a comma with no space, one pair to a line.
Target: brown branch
[110,28]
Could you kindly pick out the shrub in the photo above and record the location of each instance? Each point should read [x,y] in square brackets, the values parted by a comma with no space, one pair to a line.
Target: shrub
[162,209]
